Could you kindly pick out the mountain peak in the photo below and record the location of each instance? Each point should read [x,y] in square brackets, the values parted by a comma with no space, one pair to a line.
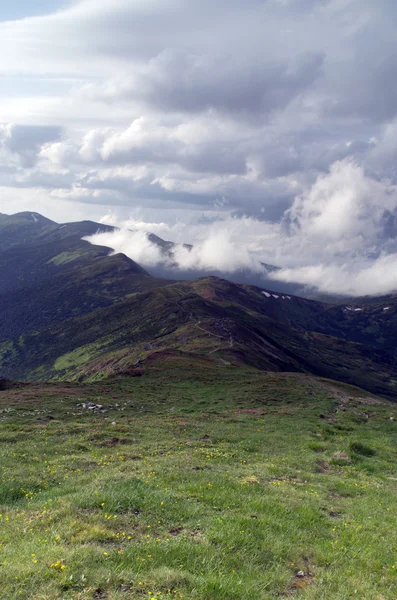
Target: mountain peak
[25,218]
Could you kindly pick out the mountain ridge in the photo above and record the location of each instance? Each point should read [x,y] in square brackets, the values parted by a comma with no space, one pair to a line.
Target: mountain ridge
[70,310]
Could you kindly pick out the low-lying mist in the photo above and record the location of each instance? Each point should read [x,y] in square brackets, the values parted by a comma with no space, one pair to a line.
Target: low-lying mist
[339,237]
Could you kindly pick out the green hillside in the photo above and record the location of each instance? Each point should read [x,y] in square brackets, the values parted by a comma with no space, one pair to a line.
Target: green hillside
[197,481]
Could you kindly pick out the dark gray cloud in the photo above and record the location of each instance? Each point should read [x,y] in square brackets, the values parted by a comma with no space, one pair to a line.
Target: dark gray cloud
[25,141]
[176,81]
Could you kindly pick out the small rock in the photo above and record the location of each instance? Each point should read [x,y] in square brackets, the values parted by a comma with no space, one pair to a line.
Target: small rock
[113,422]
[391,418]
[341,456]
[300,574]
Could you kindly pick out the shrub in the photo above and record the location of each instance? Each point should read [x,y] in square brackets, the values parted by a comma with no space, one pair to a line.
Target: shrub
[318,446]
[359,448]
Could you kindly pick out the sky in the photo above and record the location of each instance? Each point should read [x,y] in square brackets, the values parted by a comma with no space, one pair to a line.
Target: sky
[258,130]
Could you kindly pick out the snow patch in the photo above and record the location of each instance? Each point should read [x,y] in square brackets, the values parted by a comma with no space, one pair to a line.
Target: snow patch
[274,296]
[387,308]
[267,294]
[35,219]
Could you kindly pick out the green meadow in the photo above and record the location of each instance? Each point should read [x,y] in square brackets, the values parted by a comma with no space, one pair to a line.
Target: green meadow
[198,482]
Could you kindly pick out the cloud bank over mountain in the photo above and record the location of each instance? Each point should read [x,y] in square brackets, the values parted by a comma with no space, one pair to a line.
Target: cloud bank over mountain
[337,238]
[267,128]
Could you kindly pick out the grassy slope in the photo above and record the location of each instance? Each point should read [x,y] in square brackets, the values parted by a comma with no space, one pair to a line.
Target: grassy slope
[199,482]
[240,328]
[36,253]
[374,322]
[321,338]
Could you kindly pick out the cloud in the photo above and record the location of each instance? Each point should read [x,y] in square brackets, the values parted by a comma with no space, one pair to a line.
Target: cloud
[275,119]
[377,278]
[144,29]
[201,161]
[336,238]
[134,244]
[203,145]
[344,206]
[215,249]
[194,83]
[23,142]
[217,252]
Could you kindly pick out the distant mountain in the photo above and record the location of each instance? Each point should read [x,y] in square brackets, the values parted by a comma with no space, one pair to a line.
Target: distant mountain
[31,227]
[21,227]
[69,310]
[49,274]
[170,269]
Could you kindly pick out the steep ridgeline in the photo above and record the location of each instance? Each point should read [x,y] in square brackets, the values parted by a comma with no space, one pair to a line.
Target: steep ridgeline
[49,274]
[68,310]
